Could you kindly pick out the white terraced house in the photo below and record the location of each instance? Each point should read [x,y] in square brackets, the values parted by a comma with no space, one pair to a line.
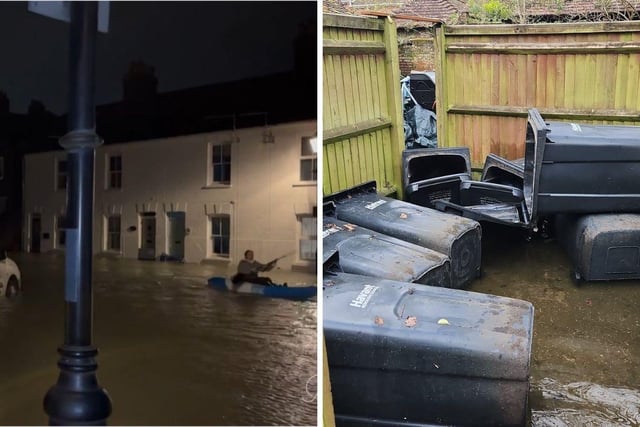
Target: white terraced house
[202,197]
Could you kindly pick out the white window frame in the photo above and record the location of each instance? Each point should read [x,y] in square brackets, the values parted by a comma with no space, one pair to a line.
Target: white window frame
[212,163]
[213,236]
[108,233]
[308,157]
[113,173]
[307,237]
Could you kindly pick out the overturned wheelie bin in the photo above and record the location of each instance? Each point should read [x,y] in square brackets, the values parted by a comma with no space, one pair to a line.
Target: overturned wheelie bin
[405,354]
[366,252]
[601,246]
[458,238]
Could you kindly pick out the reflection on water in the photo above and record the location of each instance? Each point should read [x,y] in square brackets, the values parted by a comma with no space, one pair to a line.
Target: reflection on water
[172,351]
[584,404]
[585,363]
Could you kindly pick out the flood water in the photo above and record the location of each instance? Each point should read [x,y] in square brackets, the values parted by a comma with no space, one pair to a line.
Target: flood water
[585,365]
[172,351]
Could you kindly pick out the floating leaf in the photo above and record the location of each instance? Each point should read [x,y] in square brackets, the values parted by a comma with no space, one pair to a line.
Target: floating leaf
[411,321]
[404,216]
[443,321]
[379,321]
[350,227]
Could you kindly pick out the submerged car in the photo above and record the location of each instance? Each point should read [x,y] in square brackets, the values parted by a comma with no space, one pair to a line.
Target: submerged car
[10,279]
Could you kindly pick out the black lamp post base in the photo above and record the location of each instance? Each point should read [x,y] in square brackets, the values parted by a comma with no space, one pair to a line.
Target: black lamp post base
[77,399]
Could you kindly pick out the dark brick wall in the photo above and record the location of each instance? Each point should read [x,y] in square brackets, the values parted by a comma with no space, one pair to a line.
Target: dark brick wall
[416,51]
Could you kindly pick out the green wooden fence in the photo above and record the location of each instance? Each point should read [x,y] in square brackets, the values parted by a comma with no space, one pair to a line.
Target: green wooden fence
[362,108]
[489,75]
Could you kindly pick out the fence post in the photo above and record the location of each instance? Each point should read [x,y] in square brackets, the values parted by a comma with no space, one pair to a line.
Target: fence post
[394,98]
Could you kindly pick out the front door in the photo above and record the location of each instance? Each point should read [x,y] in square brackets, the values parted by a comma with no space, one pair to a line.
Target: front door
[148,235]
[36,231]
[176,234]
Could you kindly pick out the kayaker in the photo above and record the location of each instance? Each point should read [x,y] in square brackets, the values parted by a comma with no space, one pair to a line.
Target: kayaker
[248,269]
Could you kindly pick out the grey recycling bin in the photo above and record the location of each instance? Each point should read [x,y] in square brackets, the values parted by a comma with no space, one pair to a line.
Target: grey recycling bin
[458,238]
[601,246]
[417,355]
[369,253]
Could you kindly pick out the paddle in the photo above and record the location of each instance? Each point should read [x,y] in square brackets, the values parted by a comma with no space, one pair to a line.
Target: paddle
[280,257]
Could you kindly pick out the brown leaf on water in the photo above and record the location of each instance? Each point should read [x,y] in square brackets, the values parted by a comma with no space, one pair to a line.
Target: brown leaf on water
[404,216]
[379,321]
[411,321]
[329,282]
[350,227]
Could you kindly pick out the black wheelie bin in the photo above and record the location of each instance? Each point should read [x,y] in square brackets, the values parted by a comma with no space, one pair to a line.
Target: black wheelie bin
[369,253]
[458,238]
[405,354]
[601,246]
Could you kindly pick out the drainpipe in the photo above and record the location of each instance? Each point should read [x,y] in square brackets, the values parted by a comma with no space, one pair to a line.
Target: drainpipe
[77,399]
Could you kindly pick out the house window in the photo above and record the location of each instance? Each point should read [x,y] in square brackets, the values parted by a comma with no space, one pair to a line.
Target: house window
[220,235]
[62,173]
[221,164]
[113,233]
[61,235]
[308,237]
[308,161]
[115,172]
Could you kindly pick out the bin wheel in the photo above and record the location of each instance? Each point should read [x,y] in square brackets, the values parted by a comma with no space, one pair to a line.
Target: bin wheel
[12,287]
[576,277]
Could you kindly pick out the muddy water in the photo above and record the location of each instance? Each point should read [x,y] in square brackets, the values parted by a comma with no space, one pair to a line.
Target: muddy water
[172,352]
[586,349]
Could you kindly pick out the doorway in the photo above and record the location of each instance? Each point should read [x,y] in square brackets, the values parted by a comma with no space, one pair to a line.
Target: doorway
[175,236]
[147,248]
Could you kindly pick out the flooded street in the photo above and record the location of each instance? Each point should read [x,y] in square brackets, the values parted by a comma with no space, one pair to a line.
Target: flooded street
[172,351]
[585,367]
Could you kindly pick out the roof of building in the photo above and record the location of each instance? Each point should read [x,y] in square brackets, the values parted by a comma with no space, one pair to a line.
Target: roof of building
[444,10]
[576,8]
[336,6]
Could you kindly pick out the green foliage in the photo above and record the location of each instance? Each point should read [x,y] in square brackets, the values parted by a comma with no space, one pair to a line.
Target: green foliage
[490,11]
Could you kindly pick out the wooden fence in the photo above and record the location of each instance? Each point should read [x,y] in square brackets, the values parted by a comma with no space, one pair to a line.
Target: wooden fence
[488,75]
[362,108]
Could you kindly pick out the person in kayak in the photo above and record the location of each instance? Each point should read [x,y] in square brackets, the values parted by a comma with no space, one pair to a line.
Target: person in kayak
[248,269]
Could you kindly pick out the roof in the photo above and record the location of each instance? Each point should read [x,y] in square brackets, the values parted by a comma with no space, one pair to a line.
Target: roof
[576,8]
[336,6]
[445,9]
[439,9]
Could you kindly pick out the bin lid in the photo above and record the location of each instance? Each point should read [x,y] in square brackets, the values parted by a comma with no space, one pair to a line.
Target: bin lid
[426,329]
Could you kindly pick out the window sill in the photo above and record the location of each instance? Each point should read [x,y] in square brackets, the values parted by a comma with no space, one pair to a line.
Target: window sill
[215,186]
[215,260]
[305,184]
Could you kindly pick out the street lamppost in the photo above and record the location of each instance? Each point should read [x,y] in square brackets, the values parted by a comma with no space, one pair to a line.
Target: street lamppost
[76,398]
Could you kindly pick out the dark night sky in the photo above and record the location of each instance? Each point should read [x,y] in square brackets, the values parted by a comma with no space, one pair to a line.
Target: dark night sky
[189,44]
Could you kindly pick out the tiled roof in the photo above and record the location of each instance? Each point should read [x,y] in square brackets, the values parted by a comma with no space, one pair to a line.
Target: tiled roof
[581,7]
[439,9]
[336,6]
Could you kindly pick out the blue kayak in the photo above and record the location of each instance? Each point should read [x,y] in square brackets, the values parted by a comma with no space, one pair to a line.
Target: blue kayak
[293,292]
